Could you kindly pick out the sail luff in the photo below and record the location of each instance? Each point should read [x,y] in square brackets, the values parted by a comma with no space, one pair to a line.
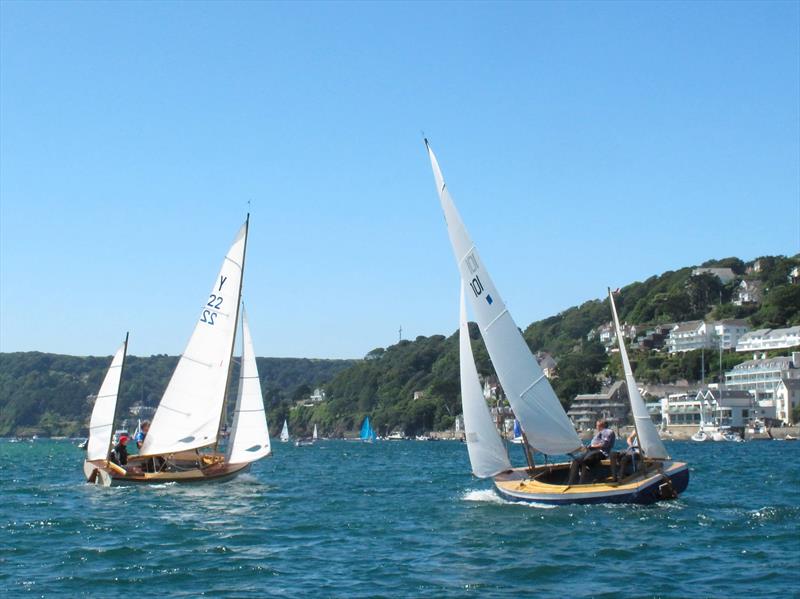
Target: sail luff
[249,440]
[487,455]
[529,392]
[189,413]
[233,338]
[104,412]
[649,440]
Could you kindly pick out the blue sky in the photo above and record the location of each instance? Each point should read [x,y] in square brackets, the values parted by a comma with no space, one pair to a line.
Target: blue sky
[585,144]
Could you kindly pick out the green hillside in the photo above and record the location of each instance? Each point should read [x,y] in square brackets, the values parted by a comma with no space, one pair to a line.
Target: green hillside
[47,393]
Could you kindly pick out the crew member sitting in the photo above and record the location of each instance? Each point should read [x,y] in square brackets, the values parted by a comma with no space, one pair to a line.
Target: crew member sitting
[119,455]
[141,434]
[599,448]
[621,459]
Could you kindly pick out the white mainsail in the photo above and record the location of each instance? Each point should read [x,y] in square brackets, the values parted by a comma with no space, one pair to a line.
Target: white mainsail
[190,410]
[487,454]
[649,441]
[532,398]
[285,432]
[314,436]
[249,439]
[101,424]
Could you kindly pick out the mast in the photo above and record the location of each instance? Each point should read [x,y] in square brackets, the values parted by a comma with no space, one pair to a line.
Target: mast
[233,340]
[116,405]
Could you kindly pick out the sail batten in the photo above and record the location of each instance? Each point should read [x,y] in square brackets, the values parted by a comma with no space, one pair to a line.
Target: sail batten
[190,410]
[649,440]
[487,455]
[536,406]
[249,439]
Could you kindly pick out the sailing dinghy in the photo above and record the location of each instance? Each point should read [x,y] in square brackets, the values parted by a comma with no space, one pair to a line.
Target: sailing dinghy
[546,429]
[183,443]
[285,432]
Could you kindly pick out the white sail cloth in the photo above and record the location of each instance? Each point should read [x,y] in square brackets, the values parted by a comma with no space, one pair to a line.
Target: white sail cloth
[649,441]
[285,432]
[249,435]
[531,397]
[101,424]
[487,454]
[190,410]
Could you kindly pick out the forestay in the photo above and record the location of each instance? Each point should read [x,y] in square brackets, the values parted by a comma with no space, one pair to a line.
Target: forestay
[532,398]
[249,436]
[101,424]
[190,410]
[649,441]
[487,454]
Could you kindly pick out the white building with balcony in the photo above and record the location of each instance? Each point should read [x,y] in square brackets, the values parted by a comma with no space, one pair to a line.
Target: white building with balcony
[687,336]
[764,339]
[728,332]
[611,405]
[787,398]
[761,376]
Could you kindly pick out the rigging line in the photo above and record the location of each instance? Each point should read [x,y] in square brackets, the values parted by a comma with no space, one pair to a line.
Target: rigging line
[206,364]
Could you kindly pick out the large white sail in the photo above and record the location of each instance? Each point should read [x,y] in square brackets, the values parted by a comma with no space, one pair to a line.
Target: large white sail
[190,410]
[249,439]
[532,398]
[101,424]
[487,454]
[285,432]
[649,441]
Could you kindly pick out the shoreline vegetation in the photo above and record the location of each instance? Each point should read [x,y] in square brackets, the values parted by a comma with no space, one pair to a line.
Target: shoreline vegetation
[413,386]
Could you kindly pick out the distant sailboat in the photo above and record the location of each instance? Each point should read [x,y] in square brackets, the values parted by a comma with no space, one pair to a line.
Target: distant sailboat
[367,434]
[314,435]
[517,438]
[182,444]
[285,432]
[542,418]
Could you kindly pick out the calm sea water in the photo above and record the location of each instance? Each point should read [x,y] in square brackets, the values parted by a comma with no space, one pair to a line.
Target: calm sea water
[394,519]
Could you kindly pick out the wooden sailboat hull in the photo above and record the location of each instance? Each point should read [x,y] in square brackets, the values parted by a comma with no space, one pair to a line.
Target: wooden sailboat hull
[108,475]
[659,481]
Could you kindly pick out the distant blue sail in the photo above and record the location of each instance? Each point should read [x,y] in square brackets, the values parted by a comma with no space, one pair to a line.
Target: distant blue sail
[367,434]
[517,429]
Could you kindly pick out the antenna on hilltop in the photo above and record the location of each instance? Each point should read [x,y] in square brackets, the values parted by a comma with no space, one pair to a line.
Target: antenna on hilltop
[400,334]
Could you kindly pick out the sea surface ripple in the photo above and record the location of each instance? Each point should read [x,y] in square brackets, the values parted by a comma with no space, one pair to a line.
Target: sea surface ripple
[394,519]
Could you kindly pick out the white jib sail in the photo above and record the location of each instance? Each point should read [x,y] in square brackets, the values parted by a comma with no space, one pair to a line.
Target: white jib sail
[249,439]
[487,454]
[649,441]
[532,398]
[285,432]
[190,410]
[101,424]
[314,436]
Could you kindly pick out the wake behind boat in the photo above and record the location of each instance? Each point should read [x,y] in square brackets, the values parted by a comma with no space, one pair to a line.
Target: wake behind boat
[545,426]
[183,443]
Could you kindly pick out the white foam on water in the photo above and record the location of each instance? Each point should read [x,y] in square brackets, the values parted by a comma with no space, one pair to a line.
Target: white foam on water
[489,496]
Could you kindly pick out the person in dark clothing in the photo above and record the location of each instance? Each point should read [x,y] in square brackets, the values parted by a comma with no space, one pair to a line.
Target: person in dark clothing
[119,455]
[599,448]
[620,460]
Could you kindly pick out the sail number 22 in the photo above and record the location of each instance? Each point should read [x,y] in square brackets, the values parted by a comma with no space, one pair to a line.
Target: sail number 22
[215,303]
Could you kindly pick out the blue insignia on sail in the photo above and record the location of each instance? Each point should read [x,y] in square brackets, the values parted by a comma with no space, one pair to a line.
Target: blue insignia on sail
[489,299]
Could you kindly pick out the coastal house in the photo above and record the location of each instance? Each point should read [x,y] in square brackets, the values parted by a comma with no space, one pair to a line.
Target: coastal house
[748,292]
[611,405]
[787,398]
[761,376]
[725,275]
[655,338]
[608,337]
[547,363]
[728,332]
[688,336]
[794,275]
[765,339]
[720,407]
